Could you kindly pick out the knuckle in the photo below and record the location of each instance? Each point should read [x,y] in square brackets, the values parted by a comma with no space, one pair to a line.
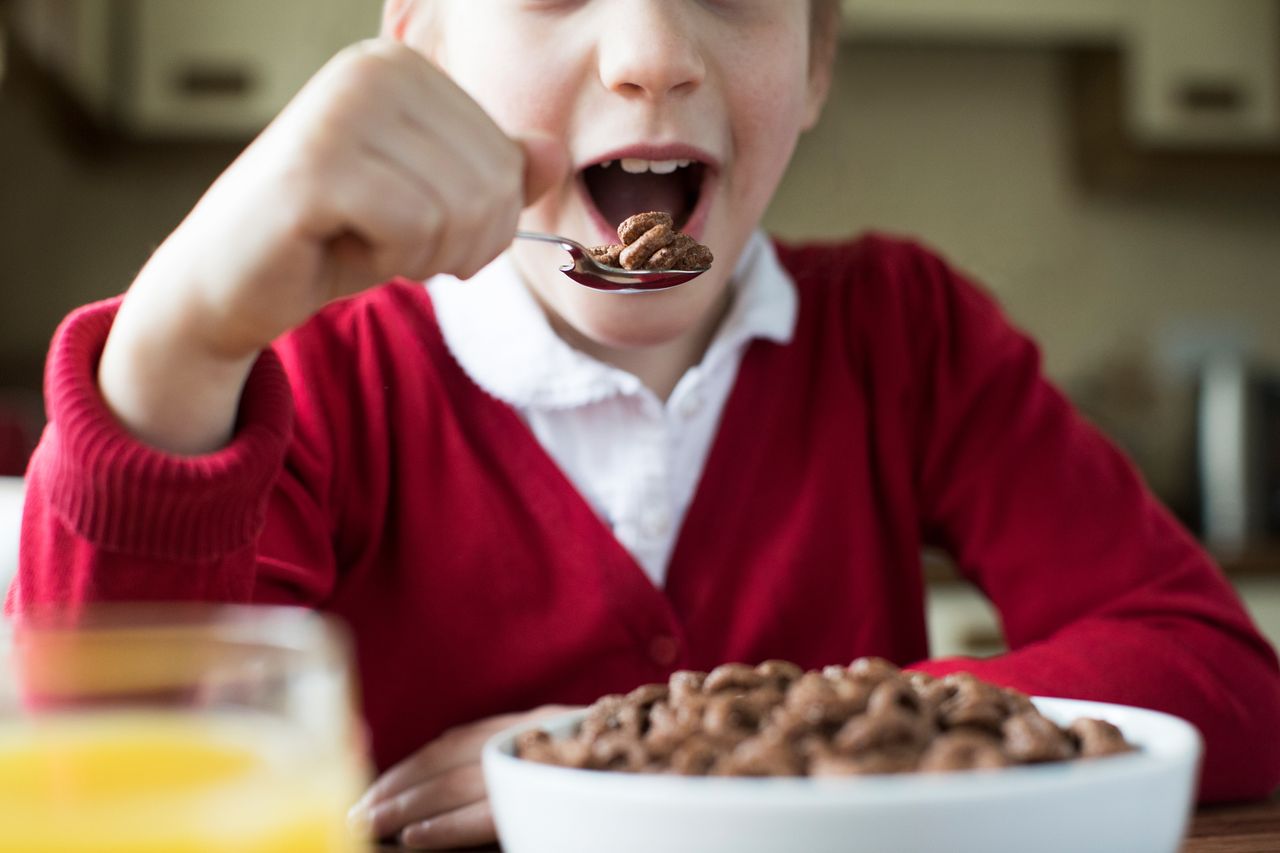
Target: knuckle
[399,809]
[316,157]
[366,49]
[450,737]
[390,49]
[378,58]
[359,72]
[428,222]
[355,63]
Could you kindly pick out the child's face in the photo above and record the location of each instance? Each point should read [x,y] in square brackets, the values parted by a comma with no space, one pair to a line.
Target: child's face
[725,84]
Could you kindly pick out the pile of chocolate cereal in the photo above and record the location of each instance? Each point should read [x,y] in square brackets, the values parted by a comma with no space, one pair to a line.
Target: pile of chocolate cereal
[777,720]
[650,241]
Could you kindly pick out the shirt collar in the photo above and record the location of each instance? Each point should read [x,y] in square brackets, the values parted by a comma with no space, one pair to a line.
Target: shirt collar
[499,335]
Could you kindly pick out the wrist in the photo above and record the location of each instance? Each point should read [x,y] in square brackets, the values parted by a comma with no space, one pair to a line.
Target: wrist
[164,382]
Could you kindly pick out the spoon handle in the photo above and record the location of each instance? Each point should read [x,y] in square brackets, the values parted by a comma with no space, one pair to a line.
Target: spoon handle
[575,249]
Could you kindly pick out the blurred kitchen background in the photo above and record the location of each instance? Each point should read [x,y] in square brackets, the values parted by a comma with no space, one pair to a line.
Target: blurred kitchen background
[1109,168]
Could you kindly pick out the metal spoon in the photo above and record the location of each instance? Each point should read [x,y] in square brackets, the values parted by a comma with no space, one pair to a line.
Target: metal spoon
[588,272]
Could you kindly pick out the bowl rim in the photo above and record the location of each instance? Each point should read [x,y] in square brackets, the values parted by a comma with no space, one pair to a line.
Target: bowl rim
[1179,749]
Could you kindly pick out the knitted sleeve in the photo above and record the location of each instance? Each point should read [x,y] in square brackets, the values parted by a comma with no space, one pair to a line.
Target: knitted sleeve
[1101,593]
[108,518]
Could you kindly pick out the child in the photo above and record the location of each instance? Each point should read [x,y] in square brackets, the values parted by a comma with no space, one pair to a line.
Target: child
[518,491]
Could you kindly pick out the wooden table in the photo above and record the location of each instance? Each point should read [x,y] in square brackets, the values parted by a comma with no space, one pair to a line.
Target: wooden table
[1252,828]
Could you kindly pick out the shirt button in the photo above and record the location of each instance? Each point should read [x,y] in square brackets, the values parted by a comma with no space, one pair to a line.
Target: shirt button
[664,650]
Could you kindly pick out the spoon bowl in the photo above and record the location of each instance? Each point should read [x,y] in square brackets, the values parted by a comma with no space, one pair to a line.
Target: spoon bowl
[589,272]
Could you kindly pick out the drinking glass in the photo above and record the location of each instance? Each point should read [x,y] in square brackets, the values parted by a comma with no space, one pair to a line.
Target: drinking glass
[177,729]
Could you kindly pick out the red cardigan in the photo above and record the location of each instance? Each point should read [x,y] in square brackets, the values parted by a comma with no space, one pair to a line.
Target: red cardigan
[369,477]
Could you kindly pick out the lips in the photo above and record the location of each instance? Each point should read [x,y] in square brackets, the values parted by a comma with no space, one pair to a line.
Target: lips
[674,179]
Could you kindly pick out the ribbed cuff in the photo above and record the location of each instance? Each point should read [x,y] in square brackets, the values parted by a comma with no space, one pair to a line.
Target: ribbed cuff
[129,497]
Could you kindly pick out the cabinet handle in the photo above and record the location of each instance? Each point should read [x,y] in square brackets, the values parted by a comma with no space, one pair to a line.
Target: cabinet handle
[1212,97]
[211,81]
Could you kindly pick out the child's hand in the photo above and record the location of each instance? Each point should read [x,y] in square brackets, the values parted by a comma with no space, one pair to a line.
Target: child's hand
[435,798]
[380,167]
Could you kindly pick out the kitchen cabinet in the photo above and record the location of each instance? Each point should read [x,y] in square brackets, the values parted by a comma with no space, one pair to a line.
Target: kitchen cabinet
[1005,21]
[1193,75]
[198,68]
[1205,74]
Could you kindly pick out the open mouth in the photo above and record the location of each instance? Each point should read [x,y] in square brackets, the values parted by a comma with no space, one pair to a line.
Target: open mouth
[619,189]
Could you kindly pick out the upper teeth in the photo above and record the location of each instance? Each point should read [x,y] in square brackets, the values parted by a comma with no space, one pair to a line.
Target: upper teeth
[658,167]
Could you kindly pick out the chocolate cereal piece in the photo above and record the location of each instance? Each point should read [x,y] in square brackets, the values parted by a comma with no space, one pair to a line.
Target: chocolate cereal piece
[780,672]
[635,227]
[963,750]
[733,676]
[650,241]
[764,755]
[776,720]
[610,256]
[970,702]
[686,683]
[1097,738]
[1031,737]
[640,250]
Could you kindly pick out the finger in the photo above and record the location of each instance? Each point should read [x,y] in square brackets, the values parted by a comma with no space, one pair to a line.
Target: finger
[471,238]
[482,200]
[479,181]
[436,796]
[494,238]
[413,238]
[455,748]
[467,827]
[397,221]
[546,164]
[496,232]
[443,113]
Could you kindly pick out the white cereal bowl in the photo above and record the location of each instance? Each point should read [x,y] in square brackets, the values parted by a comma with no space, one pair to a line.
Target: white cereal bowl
[1136,803]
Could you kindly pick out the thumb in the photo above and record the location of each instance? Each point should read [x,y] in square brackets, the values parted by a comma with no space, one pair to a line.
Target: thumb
[546,163]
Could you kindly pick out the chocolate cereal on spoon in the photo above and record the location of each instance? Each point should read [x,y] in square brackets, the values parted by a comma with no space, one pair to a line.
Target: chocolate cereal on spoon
[650,241]
[652,257]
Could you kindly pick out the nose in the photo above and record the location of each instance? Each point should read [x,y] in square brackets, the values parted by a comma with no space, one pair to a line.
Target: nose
[650,50]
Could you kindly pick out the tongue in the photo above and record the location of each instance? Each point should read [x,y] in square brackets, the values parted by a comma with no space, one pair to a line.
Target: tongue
[620,195]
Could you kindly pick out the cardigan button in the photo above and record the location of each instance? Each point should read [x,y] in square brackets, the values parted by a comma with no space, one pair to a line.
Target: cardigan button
[664,650]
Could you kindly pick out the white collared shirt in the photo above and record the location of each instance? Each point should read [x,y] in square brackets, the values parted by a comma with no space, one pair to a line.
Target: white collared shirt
[636,460]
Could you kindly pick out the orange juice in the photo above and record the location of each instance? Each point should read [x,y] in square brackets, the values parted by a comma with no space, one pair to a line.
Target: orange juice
[169,782]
